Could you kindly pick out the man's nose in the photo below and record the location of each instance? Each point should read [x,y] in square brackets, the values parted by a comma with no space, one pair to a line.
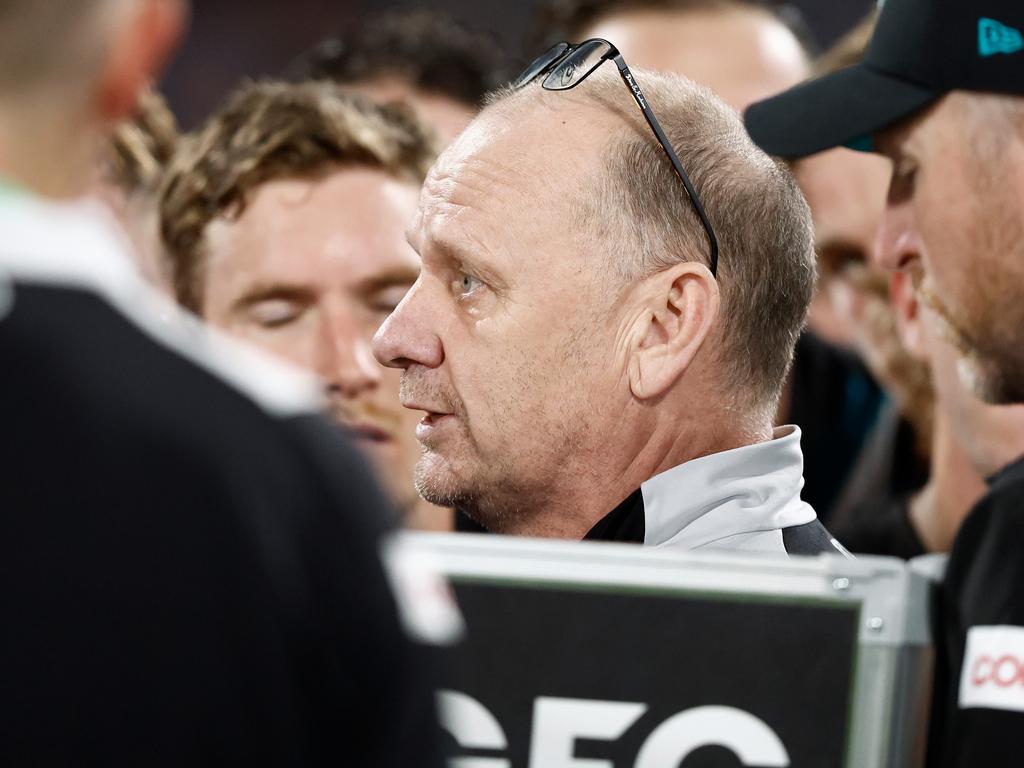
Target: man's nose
[347,364]
[406,337]
[897,245]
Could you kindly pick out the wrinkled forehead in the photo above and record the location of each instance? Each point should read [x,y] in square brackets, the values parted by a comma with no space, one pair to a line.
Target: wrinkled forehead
[519,170]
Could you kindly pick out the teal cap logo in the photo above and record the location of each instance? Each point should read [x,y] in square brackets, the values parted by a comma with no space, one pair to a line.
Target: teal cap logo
[994,37]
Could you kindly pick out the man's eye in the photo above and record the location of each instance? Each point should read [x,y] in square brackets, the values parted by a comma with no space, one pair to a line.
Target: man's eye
[903,176]
[466,284]
[905,170]
[384,307]
[275,313]
[834,259]
[387,301]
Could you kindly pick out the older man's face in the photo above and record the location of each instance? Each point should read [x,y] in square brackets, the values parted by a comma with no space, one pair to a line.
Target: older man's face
[954,220]
[506,338]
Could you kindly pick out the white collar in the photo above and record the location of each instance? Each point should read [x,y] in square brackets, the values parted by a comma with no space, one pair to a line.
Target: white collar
[74,242]
[746,490]
[79,245]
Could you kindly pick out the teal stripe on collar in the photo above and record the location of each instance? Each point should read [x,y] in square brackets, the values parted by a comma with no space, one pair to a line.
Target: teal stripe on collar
[862,143]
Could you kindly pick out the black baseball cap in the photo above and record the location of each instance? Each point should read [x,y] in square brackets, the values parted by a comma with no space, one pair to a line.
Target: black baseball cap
[920,50]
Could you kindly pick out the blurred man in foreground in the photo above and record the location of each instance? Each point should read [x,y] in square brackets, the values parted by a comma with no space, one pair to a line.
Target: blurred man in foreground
[583,371]
[190,559]
[419,57]
[940,93]
[284,218]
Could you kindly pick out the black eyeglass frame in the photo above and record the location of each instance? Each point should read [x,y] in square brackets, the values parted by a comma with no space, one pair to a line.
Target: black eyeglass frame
[560,55]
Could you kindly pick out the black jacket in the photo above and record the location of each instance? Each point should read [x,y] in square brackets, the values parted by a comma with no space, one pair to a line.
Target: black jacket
[978,704]
[188,575]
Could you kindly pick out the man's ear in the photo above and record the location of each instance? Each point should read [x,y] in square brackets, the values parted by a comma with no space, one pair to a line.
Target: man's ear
[679,308]
[143,42]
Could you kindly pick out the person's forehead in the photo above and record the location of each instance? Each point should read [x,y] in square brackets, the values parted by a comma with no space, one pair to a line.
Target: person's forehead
[522,164]
[742,55]
[340,226]
[921,129]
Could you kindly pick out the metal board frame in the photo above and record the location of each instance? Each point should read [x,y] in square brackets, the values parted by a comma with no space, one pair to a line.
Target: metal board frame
[892,679]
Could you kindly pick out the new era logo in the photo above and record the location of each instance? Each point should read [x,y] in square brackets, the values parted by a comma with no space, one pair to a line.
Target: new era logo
[994,37]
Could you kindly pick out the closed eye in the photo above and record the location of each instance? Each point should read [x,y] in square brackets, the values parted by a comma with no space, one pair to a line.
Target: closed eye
[273,305]
[275,313]
[386,300]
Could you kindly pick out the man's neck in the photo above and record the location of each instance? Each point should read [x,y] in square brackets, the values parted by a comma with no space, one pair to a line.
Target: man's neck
[586,496]
[938,509]
[998,440]
[424,516]
[46,151]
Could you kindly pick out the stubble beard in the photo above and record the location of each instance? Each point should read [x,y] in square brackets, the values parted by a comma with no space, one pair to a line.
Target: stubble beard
[985,370]
[989,334]
[510,487]
[495,502]
[455,475]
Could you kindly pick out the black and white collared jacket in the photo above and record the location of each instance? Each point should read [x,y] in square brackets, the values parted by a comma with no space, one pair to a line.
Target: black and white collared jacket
[746,499]
[186,543]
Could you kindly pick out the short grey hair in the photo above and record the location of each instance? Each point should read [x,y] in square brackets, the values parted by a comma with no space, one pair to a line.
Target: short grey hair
[766,267]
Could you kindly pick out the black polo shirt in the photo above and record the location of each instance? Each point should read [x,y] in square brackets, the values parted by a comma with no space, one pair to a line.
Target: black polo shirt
[978,704]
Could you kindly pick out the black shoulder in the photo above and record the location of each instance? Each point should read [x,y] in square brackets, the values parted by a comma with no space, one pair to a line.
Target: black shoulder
[810,539]
[219,549]
[986,568]
[981,591]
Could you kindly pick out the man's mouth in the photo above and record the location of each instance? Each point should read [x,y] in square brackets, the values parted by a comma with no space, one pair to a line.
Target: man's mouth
[431,423]
[439,411]
[365,430]
[371,432]
[415,405]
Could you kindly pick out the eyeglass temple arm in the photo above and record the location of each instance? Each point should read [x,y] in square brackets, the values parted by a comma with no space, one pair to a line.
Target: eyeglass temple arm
[652,121]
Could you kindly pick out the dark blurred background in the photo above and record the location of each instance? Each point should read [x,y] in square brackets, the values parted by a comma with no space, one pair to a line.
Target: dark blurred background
[232,39]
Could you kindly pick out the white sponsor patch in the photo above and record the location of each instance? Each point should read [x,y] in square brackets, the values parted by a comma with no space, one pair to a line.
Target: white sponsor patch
[993,673]
[426,604]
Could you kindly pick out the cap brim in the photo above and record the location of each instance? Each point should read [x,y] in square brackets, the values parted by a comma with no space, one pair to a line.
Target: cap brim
[843,108]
